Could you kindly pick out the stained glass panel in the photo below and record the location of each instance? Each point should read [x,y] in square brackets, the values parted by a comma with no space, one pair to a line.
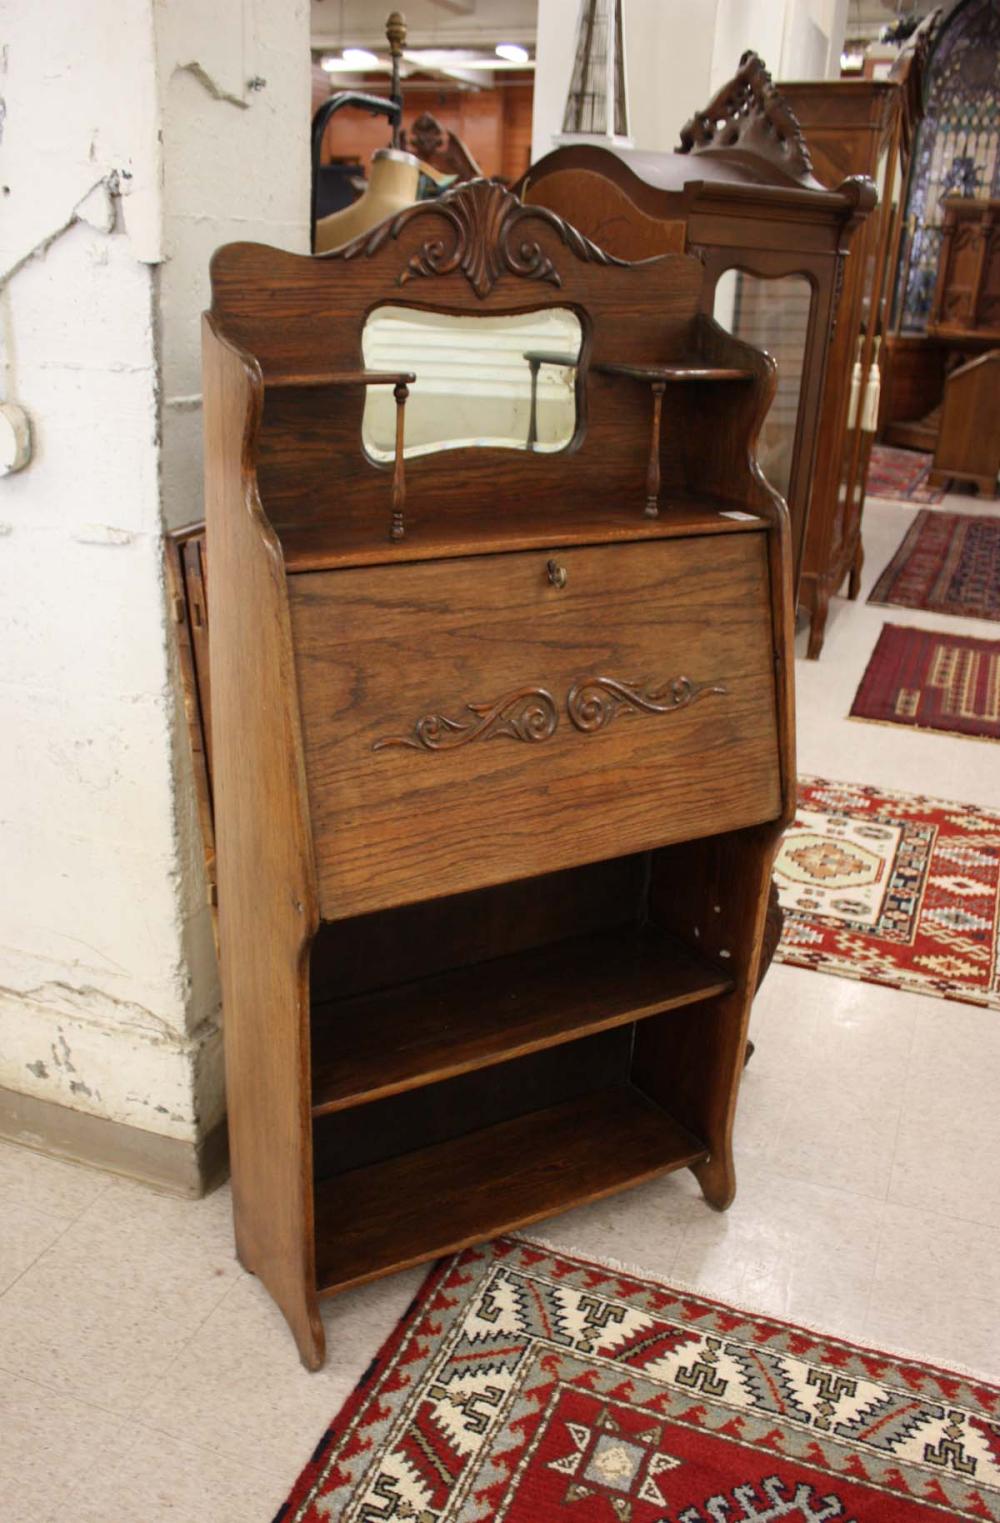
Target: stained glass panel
[957,144]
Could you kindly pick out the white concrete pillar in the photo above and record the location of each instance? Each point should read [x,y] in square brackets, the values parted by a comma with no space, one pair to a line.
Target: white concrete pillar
[668,54]
[133,143]
[678,52]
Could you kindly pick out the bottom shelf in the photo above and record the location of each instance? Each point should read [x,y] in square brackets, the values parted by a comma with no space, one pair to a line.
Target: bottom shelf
[388,1216]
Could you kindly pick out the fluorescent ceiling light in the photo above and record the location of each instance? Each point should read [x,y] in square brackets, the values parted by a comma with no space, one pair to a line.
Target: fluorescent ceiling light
[513,52]
[360,58]
[459,58]
[334,65]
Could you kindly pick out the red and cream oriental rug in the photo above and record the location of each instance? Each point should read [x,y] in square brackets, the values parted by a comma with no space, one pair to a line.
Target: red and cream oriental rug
[525,1386]
[932,681]
[892,888]
[901,474]
[947,563]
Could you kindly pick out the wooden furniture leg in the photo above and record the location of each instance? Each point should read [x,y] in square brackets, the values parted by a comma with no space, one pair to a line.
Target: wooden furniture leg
[817,622]
[857,566]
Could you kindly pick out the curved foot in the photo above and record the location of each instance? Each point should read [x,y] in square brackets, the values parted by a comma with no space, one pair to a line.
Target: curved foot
[717,1178]
[854,581]
[310,1337]
[817,625]
[300,1310]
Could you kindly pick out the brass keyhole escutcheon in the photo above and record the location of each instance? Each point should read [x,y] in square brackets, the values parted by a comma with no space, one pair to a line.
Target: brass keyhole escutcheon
[557,574]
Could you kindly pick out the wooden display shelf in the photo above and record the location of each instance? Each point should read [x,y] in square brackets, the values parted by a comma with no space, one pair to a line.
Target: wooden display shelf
[391,1215]
[340,378]
[377,1044]
[692,370]
[331,545]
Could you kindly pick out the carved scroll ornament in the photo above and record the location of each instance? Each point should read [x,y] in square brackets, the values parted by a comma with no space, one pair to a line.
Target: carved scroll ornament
[530,714]
[595,701]
[478,234]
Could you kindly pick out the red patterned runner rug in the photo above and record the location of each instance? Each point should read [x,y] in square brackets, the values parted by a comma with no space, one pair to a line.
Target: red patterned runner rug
[901,474]
[932,681]
[948,563]
[893,888]
[526,1386]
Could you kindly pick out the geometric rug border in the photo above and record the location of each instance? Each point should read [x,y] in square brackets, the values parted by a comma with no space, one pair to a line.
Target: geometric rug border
[955,1389]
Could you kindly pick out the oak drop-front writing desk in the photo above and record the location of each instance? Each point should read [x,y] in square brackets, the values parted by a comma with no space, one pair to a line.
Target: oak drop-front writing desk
[502,734]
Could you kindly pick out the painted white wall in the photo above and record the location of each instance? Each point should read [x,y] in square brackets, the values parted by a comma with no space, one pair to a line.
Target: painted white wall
[121,169]
[679,53]
[233,168]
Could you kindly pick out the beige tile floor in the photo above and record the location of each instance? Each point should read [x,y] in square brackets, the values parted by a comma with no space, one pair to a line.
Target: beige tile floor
[145,1378]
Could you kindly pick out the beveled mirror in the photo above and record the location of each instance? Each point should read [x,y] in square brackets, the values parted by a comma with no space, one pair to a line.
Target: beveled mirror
[773,315]
[509,382]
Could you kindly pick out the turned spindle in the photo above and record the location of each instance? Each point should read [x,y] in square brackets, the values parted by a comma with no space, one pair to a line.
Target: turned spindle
[400,391]
[395,31]
[652,509]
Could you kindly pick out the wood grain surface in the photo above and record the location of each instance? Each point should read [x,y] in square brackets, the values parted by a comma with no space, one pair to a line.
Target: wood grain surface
[267,898]
[375,1220]
[378,650]
[411,1034]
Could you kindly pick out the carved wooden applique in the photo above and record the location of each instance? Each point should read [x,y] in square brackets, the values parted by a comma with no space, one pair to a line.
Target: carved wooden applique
[483,219]
[531,714]
[596,701]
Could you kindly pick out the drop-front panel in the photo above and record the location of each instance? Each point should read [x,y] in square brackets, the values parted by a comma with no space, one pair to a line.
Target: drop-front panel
[478,720]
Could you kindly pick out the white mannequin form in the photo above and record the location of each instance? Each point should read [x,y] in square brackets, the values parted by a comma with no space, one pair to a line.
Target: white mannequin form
[393,185]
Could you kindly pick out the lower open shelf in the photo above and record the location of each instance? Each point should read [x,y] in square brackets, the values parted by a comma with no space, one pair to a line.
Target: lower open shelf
[390,1215]
[399,1038]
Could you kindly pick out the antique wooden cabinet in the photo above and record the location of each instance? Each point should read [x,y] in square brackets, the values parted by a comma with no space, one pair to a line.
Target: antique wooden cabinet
[855,127]
[966,309]
[502,736]
[740,193]
[851,126]
[967,446]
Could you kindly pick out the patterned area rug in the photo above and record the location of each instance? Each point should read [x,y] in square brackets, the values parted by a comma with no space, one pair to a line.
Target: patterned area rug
[524,1386]
[933,681]
[948,563]
[900,474]
[893,888]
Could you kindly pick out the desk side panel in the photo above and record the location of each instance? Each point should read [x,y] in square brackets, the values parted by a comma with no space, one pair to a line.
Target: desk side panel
[267,901]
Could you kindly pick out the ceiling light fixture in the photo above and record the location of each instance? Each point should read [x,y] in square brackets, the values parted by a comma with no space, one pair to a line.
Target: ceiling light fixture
[360,58]
[513,52]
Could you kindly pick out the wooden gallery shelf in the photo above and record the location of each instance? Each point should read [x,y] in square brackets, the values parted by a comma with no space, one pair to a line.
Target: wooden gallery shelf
[378,1044]
[373,1221]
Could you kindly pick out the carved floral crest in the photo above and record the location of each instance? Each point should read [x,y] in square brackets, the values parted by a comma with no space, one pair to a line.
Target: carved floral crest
[482,234]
